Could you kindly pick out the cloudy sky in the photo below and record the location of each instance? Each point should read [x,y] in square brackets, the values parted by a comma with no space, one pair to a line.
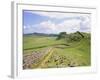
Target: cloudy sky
[54,22]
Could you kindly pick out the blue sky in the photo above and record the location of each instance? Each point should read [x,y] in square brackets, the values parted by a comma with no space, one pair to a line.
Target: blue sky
[53,22]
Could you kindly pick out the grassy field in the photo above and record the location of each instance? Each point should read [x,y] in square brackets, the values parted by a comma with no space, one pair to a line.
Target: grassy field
[47,52]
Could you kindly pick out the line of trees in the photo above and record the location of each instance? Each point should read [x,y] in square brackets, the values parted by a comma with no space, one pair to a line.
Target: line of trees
[77,36]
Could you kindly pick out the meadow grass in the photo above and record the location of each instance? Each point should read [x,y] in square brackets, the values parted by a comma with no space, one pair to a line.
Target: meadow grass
[75,54]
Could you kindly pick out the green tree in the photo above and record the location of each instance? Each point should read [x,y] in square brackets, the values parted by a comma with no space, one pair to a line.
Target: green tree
[80,34]
[61,35]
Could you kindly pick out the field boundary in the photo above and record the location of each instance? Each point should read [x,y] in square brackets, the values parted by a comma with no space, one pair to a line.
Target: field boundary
[46,57]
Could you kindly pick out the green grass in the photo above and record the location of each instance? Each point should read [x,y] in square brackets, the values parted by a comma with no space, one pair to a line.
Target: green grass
[31,43]
[75,54]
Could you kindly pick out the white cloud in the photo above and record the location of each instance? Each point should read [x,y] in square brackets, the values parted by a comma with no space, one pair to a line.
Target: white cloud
[85,24]
[67,25]
[48,24]
[25,27]
[50,27]
[57,15]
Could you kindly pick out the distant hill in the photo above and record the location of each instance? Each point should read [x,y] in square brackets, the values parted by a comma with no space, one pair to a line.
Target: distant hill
[42,34]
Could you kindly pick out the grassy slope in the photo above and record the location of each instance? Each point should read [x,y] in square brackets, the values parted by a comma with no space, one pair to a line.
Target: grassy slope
[32,43]
[78,53]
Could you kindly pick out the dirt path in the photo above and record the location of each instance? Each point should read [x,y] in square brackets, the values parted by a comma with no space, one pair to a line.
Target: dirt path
[46,58]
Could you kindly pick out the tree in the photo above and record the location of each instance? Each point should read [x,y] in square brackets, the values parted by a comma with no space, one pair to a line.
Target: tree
[61,35]
[80,34]
[77,36]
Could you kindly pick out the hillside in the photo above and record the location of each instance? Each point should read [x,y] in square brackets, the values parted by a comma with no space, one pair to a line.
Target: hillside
[59,50]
